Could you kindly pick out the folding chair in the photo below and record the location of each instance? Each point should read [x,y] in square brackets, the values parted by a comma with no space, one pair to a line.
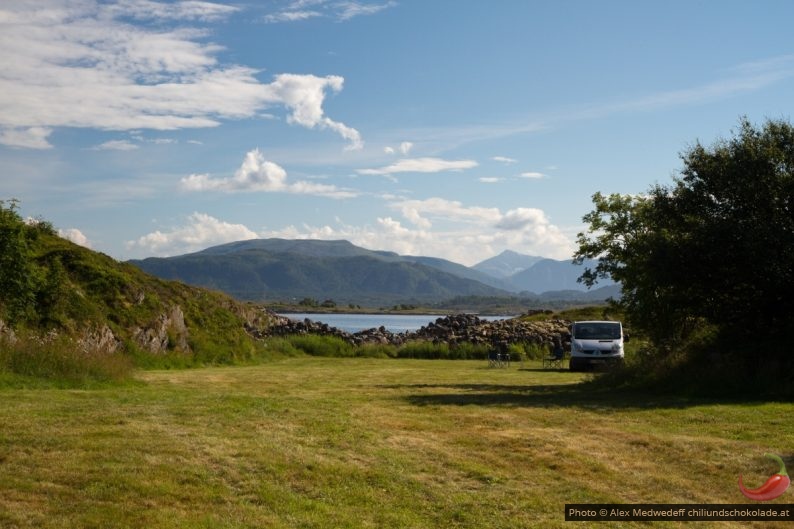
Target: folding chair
[553,361]
[504,359]
[556,357]
[493,359]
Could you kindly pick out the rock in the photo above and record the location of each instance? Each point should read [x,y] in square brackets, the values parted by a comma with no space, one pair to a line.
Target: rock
[7,333]
[452,330]
[167,332]
[101,339]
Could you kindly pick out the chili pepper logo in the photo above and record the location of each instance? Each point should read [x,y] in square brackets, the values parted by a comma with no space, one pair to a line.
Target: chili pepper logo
[774,486]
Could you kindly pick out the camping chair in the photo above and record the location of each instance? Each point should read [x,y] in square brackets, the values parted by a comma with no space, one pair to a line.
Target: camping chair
[496,359]
[555,359]
[504,359]
[493,359]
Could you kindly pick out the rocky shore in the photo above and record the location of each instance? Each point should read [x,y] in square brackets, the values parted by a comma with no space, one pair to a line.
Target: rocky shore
[452,330]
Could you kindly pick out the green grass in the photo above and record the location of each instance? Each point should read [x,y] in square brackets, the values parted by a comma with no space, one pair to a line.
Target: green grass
[314,442]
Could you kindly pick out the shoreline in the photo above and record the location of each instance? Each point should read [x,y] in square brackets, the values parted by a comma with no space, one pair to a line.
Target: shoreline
[419,311]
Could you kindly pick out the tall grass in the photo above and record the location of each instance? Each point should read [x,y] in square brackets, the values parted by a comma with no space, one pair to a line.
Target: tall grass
[443,351]
[332,346]
[528,350]
[61,361]
[315,345]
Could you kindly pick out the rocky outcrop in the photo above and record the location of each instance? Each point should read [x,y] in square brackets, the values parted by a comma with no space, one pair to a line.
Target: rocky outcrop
[167,332]
[99,339]
[452,330]
[7,334]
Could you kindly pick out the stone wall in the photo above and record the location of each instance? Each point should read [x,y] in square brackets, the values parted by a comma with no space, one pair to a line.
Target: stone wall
[452,330]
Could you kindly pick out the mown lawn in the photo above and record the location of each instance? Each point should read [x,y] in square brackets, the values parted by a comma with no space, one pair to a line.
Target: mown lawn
[327,443]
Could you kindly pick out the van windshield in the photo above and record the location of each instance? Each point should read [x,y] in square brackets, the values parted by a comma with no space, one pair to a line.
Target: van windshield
[597,331]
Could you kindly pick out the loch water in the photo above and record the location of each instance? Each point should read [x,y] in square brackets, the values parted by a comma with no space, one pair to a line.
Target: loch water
[395,323]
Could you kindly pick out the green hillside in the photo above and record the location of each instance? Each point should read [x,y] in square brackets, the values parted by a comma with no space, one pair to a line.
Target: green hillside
[54,290]
[276,269]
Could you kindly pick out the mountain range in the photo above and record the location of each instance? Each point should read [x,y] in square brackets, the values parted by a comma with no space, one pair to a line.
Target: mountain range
[291,270]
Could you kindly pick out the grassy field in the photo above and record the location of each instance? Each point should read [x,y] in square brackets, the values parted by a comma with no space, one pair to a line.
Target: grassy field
[327,443]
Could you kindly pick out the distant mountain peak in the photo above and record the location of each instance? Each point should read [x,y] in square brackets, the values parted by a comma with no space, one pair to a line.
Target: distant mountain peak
[506,264]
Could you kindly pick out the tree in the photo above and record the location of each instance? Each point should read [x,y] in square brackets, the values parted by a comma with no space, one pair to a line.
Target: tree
[17,274]
[716,247]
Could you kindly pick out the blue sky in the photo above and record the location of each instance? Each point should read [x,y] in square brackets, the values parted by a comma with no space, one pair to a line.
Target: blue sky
[442,128]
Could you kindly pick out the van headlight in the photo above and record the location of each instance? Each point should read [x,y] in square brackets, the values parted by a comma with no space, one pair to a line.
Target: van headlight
[576,347]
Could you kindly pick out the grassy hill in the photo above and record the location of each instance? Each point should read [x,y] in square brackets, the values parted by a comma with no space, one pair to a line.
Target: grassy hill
[278,269]
[53,291]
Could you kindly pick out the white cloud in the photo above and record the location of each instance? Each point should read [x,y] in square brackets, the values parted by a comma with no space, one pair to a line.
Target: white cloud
[185,9]
[304,95]
[518,219]
[26,138]
[348,10]
[468,234]
[534,175]
[299,10]
[442,208]
[504,160]
[76,236]
[460,233]
[484,232]
[413,214]
[200,232]
[405,147]
[421,165]
[156,76]
[490,179]
[259,175]
[116,145]
[291,16]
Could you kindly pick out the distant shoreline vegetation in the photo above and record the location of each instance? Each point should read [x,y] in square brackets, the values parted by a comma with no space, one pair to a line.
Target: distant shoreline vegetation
[486,306]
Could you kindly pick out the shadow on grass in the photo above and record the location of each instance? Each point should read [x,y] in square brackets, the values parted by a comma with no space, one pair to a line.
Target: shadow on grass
[544,369]
[584,395]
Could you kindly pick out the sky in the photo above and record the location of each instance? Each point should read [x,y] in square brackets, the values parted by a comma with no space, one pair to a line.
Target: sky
[441,128]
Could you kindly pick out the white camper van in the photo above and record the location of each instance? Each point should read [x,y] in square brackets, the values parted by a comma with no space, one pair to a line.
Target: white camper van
[596,343]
